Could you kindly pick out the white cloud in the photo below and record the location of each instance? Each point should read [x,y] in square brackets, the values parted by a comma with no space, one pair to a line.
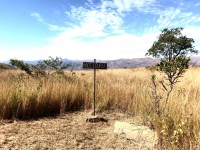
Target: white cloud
[99,34]
[193,32]
[37,16]
[52,27]
[130,4]
[197,4]
[112,47]
[7,54]
[56,28]
[97,21]
[167,17]
[174,17]
[90,1]
[107,16]
[96,31]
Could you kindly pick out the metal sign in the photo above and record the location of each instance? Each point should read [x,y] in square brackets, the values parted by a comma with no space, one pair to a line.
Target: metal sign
[94,65]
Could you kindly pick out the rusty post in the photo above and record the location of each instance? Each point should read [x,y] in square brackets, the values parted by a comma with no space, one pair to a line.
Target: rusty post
[94,85]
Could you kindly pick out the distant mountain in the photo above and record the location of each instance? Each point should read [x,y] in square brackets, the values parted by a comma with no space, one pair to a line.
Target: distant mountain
[195,61]
[119,63]
[131,63]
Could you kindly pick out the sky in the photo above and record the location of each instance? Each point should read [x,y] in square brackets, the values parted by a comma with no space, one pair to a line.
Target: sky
[91,29]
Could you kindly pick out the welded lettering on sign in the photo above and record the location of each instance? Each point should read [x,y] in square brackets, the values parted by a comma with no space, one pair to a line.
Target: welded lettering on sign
[92,65]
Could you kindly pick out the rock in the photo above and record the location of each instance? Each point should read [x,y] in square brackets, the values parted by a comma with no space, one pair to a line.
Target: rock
[120,126]
[94,119]
[140,134]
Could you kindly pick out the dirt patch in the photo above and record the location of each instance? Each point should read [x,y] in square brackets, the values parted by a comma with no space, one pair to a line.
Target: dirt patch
[70,131]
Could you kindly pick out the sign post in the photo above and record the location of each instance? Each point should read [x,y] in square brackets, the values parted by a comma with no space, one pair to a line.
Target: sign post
[94,65]
[94,86]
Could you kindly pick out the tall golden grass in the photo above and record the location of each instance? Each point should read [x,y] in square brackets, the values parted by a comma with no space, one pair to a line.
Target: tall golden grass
[126,90]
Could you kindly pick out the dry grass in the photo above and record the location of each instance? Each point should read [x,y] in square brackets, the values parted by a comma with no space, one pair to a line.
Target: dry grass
[24,97]
[127,90]
[66,132]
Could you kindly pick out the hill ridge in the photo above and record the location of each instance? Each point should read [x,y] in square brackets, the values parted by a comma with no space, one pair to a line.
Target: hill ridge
[112,64]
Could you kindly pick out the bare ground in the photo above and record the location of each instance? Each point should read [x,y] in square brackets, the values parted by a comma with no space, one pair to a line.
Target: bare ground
[69,131]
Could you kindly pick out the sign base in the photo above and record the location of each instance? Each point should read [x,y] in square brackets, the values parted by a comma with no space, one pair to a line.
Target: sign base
[95,119]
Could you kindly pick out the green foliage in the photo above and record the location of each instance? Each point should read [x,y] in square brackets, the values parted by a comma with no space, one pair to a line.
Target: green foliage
[21,65]
[54,64]
[171,133]
[173,49]
[44,68]
[39,69]
[174,69]
[172,44]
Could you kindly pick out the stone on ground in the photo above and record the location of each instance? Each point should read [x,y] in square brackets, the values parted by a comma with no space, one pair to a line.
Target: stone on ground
[138,133]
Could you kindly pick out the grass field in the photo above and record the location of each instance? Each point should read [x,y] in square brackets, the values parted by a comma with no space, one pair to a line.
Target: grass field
[126,90]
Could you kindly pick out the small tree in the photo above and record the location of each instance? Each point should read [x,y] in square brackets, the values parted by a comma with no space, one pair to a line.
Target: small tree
[50,66]
[43,68]
[173,49]
[21,65]
[55,64]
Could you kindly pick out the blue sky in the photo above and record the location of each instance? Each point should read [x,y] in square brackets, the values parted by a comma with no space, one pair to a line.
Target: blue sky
[88,29]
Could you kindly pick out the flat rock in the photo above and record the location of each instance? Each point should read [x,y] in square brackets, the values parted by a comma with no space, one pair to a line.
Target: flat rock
[140,134]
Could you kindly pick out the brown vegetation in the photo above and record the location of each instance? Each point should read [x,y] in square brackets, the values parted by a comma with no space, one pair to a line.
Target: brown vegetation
[5,67]
[127,90]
